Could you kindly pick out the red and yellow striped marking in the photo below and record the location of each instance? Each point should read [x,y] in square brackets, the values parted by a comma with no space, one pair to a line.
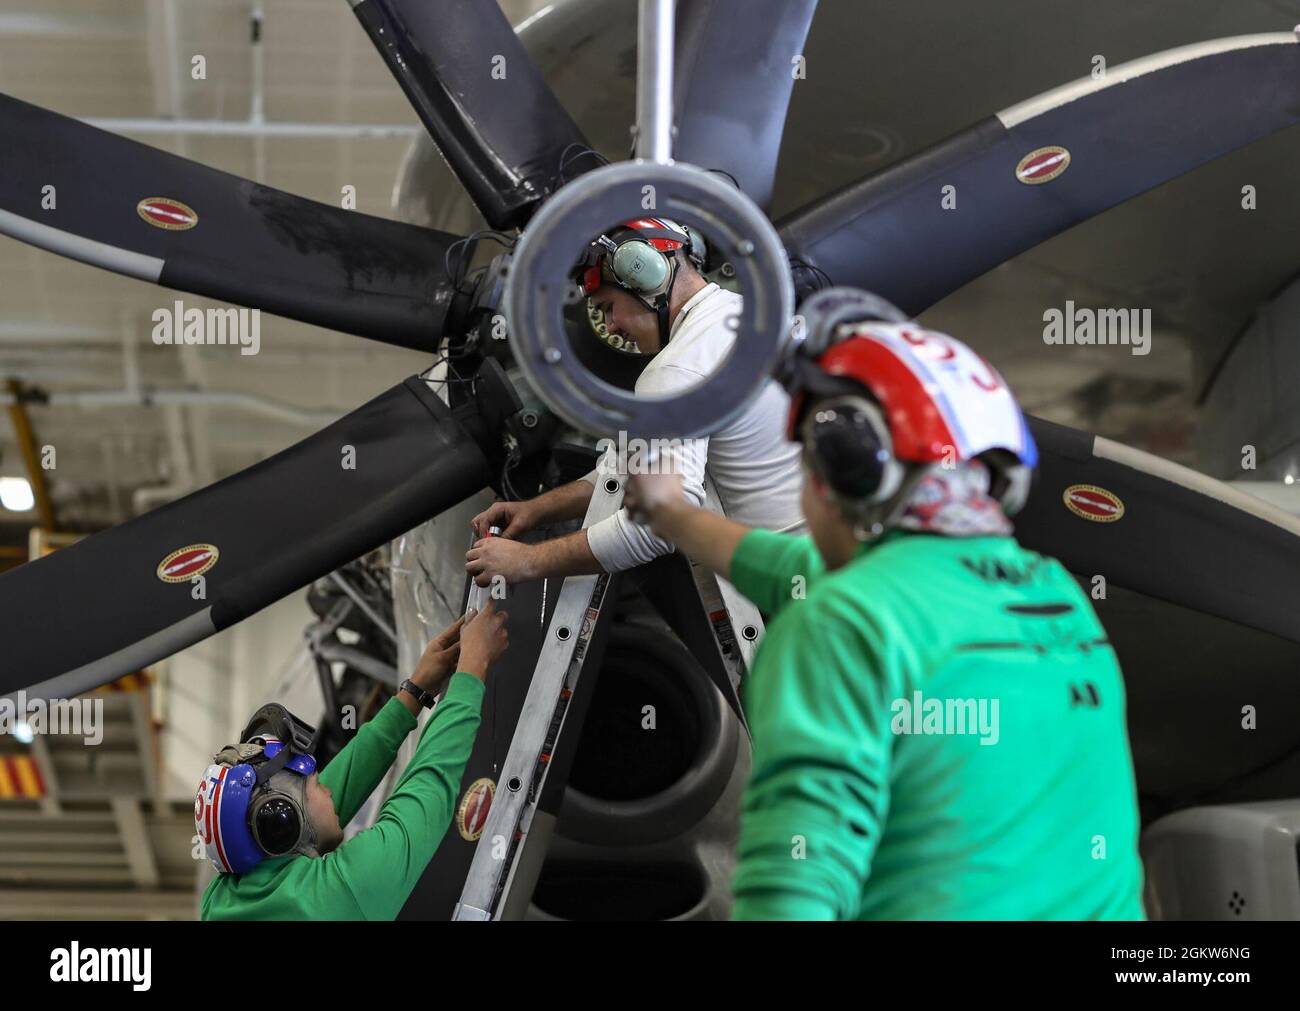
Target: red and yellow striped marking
[20,778]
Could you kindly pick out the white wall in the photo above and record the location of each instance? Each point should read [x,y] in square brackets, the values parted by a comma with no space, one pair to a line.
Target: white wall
[209,690]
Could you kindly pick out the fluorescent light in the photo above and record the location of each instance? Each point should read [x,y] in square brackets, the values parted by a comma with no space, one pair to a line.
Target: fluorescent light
[16,494]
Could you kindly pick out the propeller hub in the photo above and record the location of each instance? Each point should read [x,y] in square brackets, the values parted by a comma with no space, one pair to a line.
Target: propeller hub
[539,286]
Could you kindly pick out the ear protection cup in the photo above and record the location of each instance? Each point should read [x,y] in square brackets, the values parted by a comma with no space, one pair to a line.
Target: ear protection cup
[1010,481]
[277,824]
[639,266]
[851,449]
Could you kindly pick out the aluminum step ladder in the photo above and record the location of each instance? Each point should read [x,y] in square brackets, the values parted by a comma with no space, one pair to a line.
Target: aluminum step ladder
[492,886]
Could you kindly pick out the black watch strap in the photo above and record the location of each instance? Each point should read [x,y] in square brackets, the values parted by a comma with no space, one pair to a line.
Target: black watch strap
[426,699]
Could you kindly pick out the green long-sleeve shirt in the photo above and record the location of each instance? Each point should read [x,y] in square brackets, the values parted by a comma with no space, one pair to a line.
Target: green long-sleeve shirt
[1015,799]
[370,876]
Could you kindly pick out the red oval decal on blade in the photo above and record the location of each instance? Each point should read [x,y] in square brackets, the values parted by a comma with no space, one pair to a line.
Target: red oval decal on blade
[472,815]
[1043,165]
[164,212]
[185,563]
[1092,503]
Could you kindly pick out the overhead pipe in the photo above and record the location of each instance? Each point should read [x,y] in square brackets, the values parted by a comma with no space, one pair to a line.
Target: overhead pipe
[145,397]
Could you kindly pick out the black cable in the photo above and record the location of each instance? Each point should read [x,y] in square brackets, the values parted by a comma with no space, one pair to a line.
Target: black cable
[425,375]
[819,275]
[512,463]
[724,172]
[454,276]
[583,151]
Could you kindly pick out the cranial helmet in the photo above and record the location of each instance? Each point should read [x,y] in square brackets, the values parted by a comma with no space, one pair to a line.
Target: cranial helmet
[251,803]
[873,392]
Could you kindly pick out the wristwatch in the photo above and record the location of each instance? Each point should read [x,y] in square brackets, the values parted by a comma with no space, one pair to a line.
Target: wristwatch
[426,699]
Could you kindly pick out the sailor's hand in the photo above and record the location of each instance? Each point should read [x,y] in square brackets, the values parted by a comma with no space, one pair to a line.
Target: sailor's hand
[647,495]
[499,556]
[438,662]
[514,518]
[484,640]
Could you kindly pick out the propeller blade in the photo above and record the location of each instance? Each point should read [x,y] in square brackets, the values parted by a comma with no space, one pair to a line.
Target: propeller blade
[1161,529]
[139,211]
[126,597]
[482,99]
[1036,169]
[733,83]
[1199,602]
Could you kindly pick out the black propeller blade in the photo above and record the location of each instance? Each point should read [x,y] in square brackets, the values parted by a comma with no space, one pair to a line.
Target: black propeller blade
[1032,171]
[481,97]
[734,75]
[1180,537]
[148,214]
[125,597]
[1198,599]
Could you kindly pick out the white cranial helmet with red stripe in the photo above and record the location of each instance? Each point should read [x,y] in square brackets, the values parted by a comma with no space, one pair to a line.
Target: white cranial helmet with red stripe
[939,399]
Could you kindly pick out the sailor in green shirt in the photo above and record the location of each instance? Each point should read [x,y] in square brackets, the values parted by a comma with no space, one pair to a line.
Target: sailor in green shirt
[937,716]
[274,829]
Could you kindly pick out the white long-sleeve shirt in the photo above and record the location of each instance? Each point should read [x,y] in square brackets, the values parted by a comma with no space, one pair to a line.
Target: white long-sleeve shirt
[754,470]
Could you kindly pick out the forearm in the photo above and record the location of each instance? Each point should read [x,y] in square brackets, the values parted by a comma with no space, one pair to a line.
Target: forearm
[701,535]
[569,555]
[409,701]
[381,866]
[567,502]
[357,769]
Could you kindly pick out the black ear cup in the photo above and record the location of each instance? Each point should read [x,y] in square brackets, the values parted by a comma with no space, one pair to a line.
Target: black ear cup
[277,825]
[847,452]
[851,450]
